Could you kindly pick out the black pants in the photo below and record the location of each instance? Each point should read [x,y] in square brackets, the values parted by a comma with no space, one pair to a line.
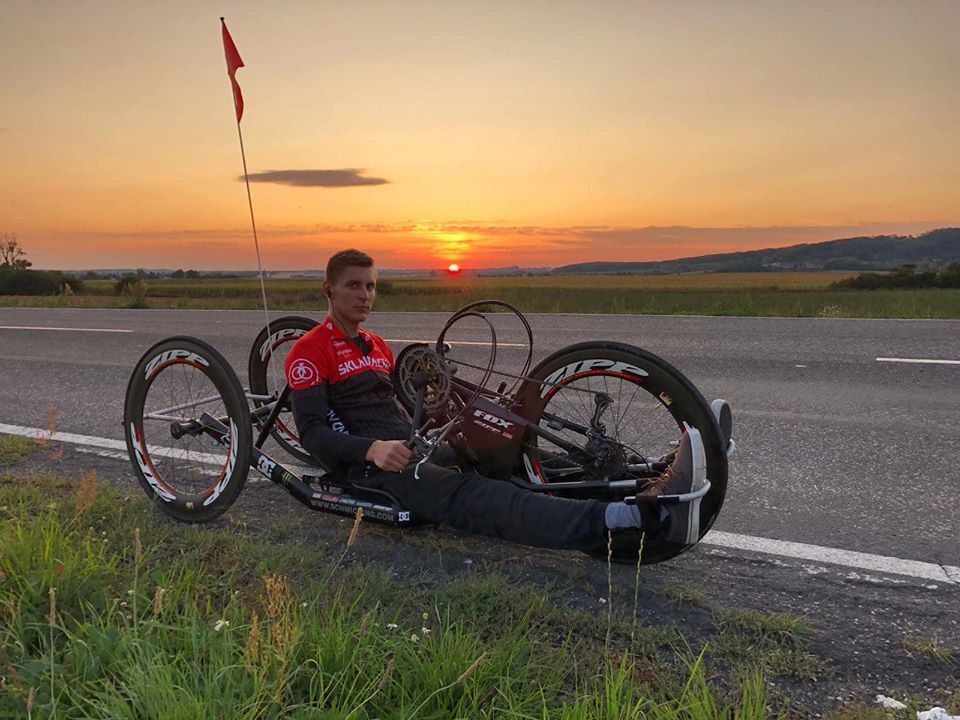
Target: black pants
[496,508]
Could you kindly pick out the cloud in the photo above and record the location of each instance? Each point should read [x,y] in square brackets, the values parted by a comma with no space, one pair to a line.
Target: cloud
[347,177]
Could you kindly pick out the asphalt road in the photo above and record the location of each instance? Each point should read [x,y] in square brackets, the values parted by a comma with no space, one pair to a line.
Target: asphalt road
[834,448]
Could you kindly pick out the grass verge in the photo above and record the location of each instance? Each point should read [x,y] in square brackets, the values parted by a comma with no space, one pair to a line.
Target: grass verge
[109,611]
[930,648]
[14,448]
[775,641]
[685,593]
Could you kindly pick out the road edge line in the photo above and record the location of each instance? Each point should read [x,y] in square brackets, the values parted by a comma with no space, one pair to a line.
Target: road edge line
[947,574]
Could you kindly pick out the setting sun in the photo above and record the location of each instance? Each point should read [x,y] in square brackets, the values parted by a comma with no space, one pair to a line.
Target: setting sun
[453,268]
[731,138]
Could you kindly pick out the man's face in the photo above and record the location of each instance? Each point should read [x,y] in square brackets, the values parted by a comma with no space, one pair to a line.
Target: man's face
[351,296]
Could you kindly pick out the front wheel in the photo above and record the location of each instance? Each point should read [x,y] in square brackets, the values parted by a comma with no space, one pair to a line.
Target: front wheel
[636,406]
[187,427]
[268,377]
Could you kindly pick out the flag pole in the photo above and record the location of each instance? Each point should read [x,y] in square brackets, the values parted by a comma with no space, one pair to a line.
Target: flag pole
[256,245]
[233,63]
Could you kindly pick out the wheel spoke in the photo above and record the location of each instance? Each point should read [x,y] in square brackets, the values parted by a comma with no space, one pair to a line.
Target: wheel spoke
[182,464]
[636,421]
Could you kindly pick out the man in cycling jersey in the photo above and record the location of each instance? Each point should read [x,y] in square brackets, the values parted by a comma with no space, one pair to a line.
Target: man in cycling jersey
[348,416]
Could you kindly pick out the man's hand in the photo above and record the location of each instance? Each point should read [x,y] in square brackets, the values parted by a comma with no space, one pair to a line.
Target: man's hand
[389,455]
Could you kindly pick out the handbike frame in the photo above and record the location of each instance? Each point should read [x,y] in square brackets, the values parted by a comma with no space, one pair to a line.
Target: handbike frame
[494,432]
[326,496]
[322,492]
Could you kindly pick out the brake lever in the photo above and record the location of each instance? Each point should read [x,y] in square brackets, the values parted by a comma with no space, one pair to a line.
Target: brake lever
[417,441]
[426,446]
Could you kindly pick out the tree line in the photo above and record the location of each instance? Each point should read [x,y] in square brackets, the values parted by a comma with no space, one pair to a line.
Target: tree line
[16,277]
[905,276]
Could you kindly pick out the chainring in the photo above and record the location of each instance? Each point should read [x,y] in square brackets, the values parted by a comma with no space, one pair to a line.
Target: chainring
[413,361]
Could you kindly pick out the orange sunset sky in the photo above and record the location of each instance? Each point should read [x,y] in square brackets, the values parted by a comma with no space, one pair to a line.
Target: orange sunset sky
[486,133]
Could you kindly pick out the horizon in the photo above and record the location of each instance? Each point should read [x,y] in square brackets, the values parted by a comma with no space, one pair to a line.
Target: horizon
[460,270]
[537,135]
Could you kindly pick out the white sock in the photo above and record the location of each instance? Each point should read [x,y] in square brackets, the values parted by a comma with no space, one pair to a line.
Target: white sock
[620,516]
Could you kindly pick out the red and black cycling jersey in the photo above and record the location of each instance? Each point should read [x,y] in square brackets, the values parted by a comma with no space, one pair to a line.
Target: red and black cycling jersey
[342,395]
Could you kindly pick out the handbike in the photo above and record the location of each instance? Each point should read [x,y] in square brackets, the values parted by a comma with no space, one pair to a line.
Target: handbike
[593,420]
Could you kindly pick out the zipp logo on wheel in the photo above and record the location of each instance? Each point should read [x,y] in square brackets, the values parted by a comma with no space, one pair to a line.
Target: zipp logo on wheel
[285,334]
[303,373]
[582,366]
[169,355]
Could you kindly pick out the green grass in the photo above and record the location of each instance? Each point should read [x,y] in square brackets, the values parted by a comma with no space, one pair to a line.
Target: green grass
[14,448]
[685,593]
[928,647]
[107,610]
[740,294]
[775,642]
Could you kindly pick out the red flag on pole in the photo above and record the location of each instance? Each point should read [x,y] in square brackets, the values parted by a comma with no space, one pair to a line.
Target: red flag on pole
[233,63]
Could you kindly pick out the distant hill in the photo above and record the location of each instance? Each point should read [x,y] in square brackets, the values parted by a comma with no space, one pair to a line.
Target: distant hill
[883,252]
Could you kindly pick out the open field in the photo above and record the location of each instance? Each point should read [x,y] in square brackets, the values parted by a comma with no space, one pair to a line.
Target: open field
[735,294]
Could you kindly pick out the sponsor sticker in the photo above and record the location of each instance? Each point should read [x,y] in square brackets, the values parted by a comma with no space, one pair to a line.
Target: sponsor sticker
[274,339]
[583,366]
[368,361]
[303,373]
[138,451]
[228,468]
[265,465]
[169,355]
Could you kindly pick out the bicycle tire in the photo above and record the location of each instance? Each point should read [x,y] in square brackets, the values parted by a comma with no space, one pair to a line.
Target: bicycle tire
[267,350]
[186,479]
[666,391]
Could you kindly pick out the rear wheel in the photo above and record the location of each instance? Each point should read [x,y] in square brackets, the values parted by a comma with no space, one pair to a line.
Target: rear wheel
[187,427]
[267,375]
[637,407]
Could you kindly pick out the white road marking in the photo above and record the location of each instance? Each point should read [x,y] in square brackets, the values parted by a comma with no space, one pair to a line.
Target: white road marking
[63,329]
[834,556]
[801,366]
[921,361]
[115,330]
[72,438]
[456,342]
[121,445]
[782,548]
[117,455]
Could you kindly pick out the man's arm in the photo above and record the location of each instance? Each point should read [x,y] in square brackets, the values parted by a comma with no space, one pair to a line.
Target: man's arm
[337,449]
